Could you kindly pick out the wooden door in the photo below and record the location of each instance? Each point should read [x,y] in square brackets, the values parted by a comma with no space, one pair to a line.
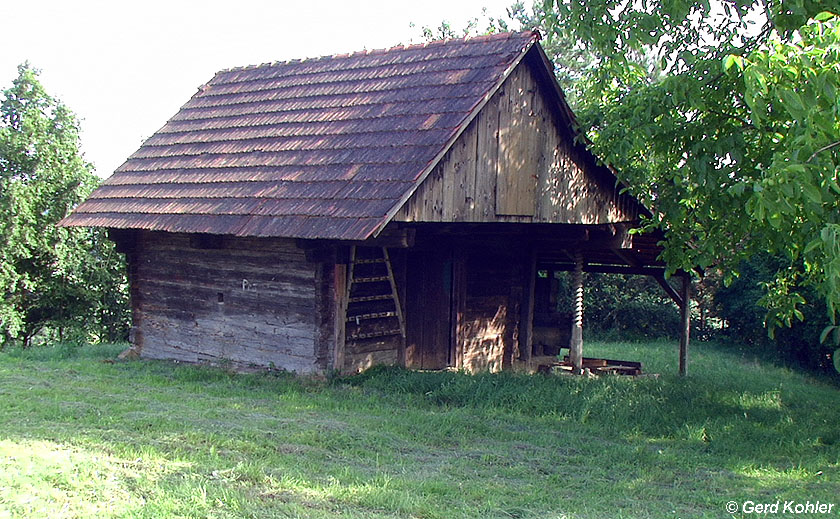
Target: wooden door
[428,316]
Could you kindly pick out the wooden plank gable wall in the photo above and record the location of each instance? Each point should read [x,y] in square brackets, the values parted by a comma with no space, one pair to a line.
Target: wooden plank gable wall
[516,163]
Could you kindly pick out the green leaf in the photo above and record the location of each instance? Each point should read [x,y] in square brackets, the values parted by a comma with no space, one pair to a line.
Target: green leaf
[793,103]
[731,60]
[826,331]
[737,189]
[812,193]
[51,278]
[812,245]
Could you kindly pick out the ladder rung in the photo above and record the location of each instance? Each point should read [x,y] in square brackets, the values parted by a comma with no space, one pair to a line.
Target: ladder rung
[373,260]
[377,315]
[360,299]
[369,335]
[370,279]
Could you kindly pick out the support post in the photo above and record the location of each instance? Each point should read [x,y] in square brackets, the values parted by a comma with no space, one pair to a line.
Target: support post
[527,346]
[576,344]
[340,295]
[685,323]
[456,338]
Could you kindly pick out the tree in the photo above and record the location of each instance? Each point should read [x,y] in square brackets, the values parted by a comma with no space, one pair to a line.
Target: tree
[53,280]
[734,142]
[572,60]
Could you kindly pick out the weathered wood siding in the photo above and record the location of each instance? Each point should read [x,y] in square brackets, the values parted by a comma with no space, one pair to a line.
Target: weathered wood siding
[251,303]
[515,163]
[464,304]
[491,312]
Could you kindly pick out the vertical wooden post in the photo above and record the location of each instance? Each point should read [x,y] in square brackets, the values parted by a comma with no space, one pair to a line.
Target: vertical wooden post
[340,315]
[576,344]
[527,346]
[685,323]
[135,333]
[458,304]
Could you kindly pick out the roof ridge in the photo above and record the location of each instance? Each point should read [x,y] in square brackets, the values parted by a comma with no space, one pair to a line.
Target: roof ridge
[400,47]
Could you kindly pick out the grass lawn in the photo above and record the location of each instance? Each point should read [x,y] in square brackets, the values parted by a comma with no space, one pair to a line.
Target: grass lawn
[84,438]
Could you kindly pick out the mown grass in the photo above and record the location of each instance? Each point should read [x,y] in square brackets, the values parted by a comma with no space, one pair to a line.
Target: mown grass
[83,438]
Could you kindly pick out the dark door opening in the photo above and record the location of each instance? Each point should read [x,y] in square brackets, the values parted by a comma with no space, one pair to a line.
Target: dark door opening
[429,310]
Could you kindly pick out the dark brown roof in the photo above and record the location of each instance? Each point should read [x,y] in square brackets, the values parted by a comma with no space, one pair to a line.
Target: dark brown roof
[319,148]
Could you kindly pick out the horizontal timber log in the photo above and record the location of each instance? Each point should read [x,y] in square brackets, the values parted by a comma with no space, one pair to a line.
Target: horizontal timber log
[607,269]
[392,238]
[247,302]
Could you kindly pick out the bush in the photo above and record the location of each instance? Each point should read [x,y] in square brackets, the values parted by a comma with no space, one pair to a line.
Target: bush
[629,307]
[798,345]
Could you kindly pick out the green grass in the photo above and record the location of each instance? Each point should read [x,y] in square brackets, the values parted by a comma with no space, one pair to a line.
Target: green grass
[83,438]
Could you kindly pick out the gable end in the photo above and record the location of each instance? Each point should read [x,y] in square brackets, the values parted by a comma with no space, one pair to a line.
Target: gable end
[517,162]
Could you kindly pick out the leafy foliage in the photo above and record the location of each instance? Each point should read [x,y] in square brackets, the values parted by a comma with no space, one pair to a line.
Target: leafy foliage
[630,307]
[734,141]
[798,345]
[446,31]
[66,282]
[572,61]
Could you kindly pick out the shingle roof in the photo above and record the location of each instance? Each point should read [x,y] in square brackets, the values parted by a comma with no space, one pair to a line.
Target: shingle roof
[318,148]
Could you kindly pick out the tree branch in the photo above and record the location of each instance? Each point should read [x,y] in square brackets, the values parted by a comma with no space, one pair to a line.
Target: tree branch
[824,148]
[744,122]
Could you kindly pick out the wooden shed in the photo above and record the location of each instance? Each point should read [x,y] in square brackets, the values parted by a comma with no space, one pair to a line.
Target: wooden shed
[381,207]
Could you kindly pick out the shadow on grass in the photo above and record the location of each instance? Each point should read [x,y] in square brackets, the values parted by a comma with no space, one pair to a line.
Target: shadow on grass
[742,411]
[196,442]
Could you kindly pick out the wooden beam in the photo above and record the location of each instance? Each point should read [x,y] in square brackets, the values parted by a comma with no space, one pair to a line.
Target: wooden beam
[685,324]
[626,258]
[622,238]
[393,239]
[135,334]
[340,288]
[459,283]
[659,277]
[669,289]
[576,343]
[397,303]
[528,346]
[605,269]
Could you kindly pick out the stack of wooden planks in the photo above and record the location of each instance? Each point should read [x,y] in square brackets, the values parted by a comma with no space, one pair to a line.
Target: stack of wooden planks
[595,366]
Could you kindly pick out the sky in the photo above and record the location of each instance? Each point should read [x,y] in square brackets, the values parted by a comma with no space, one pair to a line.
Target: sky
[126,67]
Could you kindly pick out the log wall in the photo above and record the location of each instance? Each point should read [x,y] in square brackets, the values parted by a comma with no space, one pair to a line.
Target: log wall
[516,163]
[246,302]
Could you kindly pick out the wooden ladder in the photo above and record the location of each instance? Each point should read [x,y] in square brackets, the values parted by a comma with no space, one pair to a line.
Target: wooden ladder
[373,310]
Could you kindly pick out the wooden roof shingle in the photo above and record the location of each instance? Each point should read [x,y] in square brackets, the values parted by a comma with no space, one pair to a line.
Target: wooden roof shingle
[319,148]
